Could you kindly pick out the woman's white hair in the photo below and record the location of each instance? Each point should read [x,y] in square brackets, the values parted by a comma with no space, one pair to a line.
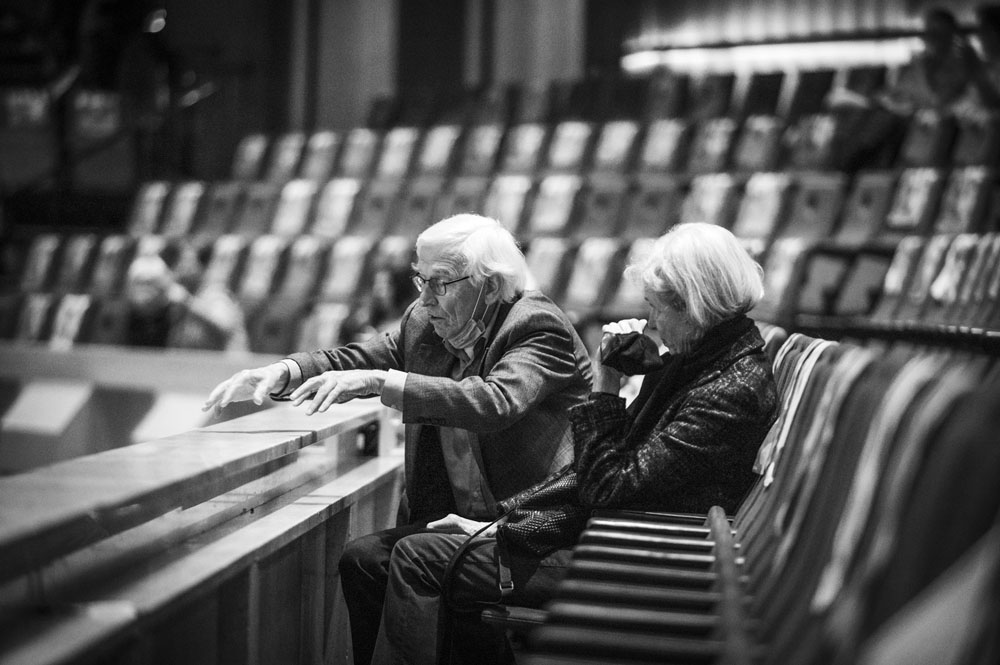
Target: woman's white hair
[706,268]
[469,244]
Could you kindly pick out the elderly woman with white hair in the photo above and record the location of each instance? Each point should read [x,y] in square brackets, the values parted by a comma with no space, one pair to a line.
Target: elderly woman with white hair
[689,438]
[484,373]
[687,442]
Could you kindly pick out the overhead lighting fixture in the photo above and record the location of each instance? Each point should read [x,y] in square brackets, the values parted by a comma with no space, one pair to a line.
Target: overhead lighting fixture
[775,57]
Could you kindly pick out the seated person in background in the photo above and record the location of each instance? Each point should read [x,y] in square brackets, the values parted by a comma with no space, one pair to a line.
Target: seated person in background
[164,313]
[687,442]
[484,373]
[987,81]
[939,77]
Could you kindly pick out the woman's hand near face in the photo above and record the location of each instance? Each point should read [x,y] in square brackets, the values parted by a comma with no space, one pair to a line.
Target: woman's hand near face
[608,379]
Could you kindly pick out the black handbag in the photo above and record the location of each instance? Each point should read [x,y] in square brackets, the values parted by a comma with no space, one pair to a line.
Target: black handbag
[545,517]
[540,519]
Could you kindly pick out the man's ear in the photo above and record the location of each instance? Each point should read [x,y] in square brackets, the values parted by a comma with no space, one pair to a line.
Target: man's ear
[492,289]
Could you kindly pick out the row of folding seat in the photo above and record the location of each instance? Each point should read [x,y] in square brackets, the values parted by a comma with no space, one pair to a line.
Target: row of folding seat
[758,206]
[813,267]
[279,281]
[662,145]
[870,536]
[601,96]
[938,288]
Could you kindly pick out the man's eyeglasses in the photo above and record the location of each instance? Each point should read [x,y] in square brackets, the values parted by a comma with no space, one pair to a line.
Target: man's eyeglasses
[437,287]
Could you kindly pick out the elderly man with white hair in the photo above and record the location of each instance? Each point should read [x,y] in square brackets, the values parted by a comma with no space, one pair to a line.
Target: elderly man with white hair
[484,373]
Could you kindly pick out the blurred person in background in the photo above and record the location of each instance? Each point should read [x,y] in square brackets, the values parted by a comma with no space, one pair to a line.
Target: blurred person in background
[166,310]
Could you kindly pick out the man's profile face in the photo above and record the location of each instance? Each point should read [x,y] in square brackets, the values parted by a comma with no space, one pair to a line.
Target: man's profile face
[451,311]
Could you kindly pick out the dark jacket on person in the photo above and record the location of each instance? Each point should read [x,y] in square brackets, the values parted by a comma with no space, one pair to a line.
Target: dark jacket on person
[533,367]
[689,439]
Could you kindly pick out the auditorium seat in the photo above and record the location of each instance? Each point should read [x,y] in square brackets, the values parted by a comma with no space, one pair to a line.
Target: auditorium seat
[759,93]
[709,95]
[285,157]
[148,208]
[858,293]
[868,202]
[398,151]
[929,139]
[249,157]
[375,210]
[664,146]
[554,206]
[549,263]
[627,300]
[976,303]
[34,319]
[914,203]
[358,154]
[508,199]
[29,135]
[968,193]
[811,142]
[655,204]
[569,150]
[222,203]
[664,94]
[274,328]
[762,211]
[293,213]
[465,193]
[758,146]
[266,259]
[524,148]
[256,213]
[181,209]
[816,202]
[225,265]
[70,320]
[323,326]
[335,206]
[602,207]
[114,255]
[593,277]
[319,156]
[42,263]
[711,145]
[943,290]
[713,198]
[76,263]
[439,149]
[481,150]
[804,91]
[801,268]
[977,142]
[614,147]
[418,204]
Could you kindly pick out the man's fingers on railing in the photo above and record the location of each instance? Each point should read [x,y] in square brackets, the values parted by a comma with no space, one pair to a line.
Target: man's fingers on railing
[322,390]
[213,397]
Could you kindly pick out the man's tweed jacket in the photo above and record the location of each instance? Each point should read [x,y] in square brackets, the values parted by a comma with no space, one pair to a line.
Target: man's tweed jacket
[533,369]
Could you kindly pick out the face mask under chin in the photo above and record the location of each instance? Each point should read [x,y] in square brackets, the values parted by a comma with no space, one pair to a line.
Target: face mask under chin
[472,330]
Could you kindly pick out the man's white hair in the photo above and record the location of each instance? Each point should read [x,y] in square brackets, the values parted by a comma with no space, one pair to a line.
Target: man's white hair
[469,244]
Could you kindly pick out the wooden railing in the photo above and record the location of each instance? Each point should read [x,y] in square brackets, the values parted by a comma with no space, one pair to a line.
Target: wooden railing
[215,545]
